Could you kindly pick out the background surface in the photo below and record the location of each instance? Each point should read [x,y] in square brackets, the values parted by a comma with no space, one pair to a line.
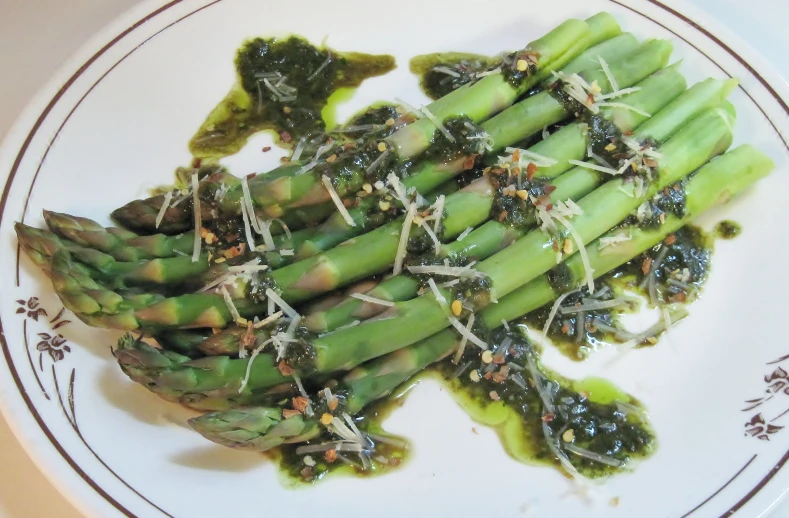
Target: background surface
[36,36]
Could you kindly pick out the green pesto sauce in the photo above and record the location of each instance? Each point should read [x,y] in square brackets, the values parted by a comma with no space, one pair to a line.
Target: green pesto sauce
[727,229]
[678,281]
[602,418]
[442,72]
[283,85]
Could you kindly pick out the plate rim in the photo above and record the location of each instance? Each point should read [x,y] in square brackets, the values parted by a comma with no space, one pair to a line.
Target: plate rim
[50,457]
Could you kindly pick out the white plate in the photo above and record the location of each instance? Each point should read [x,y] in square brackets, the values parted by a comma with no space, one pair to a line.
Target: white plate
[116,120]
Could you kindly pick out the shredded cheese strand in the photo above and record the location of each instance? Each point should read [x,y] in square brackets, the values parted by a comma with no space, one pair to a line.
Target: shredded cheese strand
[433,236]
[337,201]
[444,131]
[198,242]
[251,360]
[168,197]
[581,250]
[247,228]
[229,302]
[268,239]
[594,167]
[250,206]
[463,235]
[462,346]
[400,193]
[452,320]
[608,74]
[281,303]
[372,300]
[402,247]
[625,107]
[268,320]
[450,271]
[438,213]
[554,310]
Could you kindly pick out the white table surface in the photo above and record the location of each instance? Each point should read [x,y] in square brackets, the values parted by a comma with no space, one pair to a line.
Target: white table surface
[36,36]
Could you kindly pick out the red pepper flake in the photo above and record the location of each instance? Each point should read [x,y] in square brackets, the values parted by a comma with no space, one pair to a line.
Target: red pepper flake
[549,206]
[565,327]
[487,375]
[516,156]
[197,162]
[494,395]
[555,246]
[650,162]
[287,413]
[284,159]
[670,239]
[677,187]
[300,403]
[285,369]
[547,418]
[251,176]
[307,473]
[286,137]
[474,431]
[666,192]
[628,133]
[646,265]
[531,169]
[503,215]
[330,456]
[590,99]
[267,149]
[678,297]
[548,189]
[469,162]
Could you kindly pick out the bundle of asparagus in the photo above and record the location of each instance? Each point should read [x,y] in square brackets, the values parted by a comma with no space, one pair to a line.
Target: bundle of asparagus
[446,222]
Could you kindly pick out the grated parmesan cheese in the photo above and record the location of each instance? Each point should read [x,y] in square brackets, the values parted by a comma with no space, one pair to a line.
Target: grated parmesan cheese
[247,228]
[595,167]
[372,300]
[462,346]
[272,296]
[250,206]
[337,201]
[402,247]
[579,242]
[229,302]
[452,320]
[198,241]
[608,74]
[444,131]
[168,197]
[463,235]
[612,240]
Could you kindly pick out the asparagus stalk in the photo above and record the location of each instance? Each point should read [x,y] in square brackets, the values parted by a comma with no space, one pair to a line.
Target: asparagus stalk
[374,252]
[312,272]
[486,96]
[715,183]
[494,236]
[512,125]
[347,348]
[408,322]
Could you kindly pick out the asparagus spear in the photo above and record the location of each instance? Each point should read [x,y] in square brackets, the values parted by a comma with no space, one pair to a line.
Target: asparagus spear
[373,252]
[494,236]
[512,125]
[480,100]
[409,322]
[652,56]
[715,183]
